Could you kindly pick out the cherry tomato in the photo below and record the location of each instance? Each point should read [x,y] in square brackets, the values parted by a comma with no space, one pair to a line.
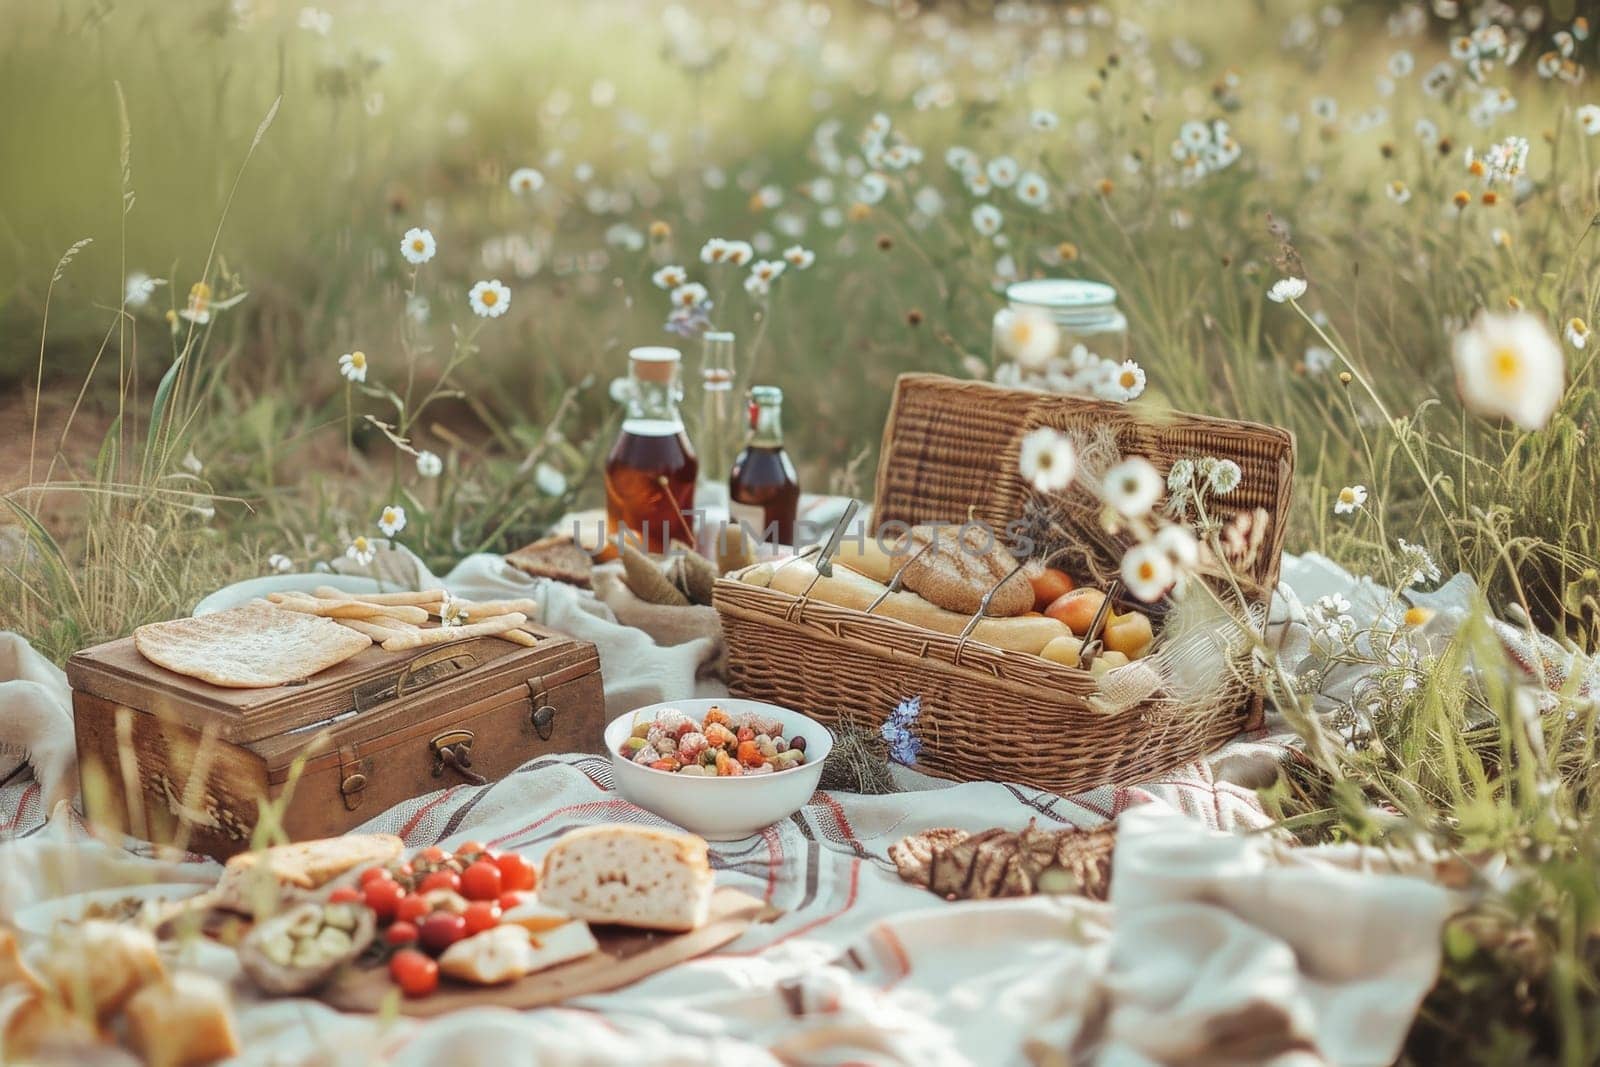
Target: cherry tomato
[510,900]
[516,872]
[383,896]
[345,894]
[400,933]
[433,854]
[374,872]
[441,880]
[470,848]
[414,973]
[481,915]
[441,930]
[481,881]
[411,909]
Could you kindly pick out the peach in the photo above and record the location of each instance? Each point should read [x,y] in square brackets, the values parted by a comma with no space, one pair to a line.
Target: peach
[1049,586]
[1076,609]
[1064,650]
[1128,634]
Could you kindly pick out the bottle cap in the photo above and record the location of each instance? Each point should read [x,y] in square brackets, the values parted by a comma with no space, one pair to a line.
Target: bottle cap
[654,363]
[766,395]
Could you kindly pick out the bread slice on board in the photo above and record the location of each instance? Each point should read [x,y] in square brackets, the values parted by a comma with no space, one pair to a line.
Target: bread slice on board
[631,875]
[558,557]
[253,646]
[305,864]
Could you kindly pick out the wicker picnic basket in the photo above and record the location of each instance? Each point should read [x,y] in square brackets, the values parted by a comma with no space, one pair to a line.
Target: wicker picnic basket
[950,454]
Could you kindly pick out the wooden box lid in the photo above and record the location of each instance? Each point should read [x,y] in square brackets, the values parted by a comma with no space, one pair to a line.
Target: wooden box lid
[951,450]
[453,673]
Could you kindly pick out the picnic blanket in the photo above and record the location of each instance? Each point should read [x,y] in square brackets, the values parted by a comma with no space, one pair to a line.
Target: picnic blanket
[1219,941]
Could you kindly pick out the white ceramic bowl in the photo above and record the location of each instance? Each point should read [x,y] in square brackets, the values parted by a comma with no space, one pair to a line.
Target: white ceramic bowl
[231,596]
[721,809]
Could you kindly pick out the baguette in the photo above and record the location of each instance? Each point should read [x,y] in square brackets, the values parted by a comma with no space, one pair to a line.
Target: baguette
[847,589]
[418,599]
[869,557]
[349,609]
[495,627]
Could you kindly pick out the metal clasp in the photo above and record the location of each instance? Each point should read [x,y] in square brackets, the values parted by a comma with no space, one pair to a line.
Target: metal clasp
[453,749]
[542,716]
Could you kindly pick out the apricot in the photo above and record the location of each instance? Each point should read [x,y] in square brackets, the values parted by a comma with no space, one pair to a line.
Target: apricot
[1049,586]
[1076,610]
[1128,634]
[1064,650]
[1107,661]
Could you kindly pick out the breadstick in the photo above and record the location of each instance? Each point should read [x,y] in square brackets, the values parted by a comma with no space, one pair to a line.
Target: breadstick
[420,599]
[486,608]
[495,627]
[520,637]
[371,629]
[352,609]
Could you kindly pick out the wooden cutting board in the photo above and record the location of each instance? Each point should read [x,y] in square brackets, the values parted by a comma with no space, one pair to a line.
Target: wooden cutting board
[626,955]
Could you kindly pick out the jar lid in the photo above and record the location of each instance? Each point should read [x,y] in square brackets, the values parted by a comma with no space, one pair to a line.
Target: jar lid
[1062,293]
[766,395]
[654,363]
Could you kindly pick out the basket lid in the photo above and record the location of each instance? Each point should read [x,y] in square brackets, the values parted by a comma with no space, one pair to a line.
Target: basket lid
[951,449]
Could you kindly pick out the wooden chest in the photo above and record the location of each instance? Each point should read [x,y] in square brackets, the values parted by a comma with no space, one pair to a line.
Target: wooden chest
[170,758]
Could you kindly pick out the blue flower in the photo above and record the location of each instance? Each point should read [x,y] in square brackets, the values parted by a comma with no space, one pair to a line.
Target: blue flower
[898,731]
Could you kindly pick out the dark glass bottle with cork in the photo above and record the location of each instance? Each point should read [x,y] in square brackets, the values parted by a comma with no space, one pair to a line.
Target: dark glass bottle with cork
[763,488]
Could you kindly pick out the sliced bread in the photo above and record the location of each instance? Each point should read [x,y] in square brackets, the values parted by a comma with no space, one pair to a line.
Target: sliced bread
[629,875]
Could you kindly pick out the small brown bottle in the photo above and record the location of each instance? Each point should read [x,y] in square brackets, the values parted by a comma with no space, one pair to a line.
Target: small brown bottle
[763,489]
[651,470]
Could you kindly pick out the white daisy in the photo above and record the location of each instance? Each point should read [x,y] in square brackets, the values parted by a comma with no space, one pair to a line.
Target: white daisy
[1003,171]
[1318,359]
[1350,498]
[1397,190]
[714,251]
[280,563]
[525,180]
[1194,136]
[1577,332]
[1042,120]
[689,295]
[317,21]
[739,253]
[768,270]
[1033,190]
[1125,381]
[452,611]
[353,365]
[799,258]
[986,219]
[139,288]
[1589,118]
[1132,487]
[1147,572]
[1027,335]
[1047,460]
[1180,475]
[417,246]
[489,299]
[549,481]
[978,184]
[1286,289]
[670,276]
[361,551]
[429,465]
[872,187]
[1510,365]
[961,160]
[393,520]
[1178,544]
[1417,565]
[1225,477]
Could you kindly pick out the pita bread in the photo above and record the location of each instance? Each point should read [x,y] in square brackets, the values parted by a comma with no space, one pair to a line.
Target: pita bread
[306,864]
[255,646]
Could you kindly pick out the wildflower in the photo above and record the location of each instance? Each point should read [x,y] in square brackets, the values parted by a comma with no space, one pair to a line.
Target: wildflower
[280,563]
[1194,135]
[1577,332]
[872,187]
[199,309]
[452,612]
[1325,108]
[767,270]
[1180,475]
[317,21]
[1002,171]
[1225,477]
[978,184]
[138,289]
[670,277]
[1042,120]
[1147,572]
[799,258]
[1028,336]
[1398,191]
[1132,487]
[548,480]
[689,295]
[1510,365]
[739,253]
[1067,251]
[1032,190]
[1286,289]
[1501,162]
[1047,460]
[1589,118]
[393,520]
[714,251]
[353,365]
[1417,617]
[987,220]
[1318,359]
[429,465]
[1178,544]
[898,731]
[417,246]
[1125,381]
[1401,64]
[1416,565]
[902,156]
[959,159]
[1461,199]
[361,551]
[489,299]
[1350,498]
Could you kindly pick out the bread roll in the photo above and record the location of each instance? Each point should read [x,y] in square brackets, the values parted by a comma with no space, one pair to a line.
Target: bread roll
[184,1020]
[851,590]
[955,567]
[630,875]
[870,558]
[14,970]
[96,966]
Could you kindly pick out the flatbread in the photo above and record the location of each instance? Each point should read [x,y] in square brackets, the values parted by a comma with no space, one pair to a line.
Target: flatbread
[255,646]
[312,864]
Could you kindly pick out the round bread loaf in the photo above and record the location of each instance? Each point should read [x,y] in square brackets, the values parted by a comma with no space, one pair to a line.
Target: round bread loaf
[961,566]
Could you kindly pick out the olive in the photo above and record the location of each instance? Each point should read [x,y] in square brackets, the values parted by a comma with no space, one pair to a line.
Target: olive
[797,743]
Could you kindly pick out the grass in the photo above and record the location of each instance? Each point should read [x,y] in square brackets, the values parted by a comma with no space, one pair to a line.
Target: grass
[279,166]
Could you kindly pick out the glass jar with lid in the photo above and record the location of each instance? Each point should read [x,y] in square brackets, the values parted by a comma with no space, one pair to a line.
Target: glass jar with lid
[1063,335]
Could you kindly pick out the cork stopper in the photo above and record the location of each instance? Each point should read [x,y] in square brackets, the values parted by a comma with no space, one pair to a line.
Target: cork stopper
[654,363]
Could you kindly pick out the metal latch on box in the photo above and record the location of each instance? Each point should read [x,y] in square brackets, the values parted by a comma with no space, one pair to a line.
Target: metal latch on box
[453,749]
[541,714]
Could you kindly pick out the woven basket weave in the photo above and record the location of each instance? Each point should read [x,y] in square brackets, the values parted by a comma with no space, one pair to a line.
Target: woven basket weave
[950,453]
